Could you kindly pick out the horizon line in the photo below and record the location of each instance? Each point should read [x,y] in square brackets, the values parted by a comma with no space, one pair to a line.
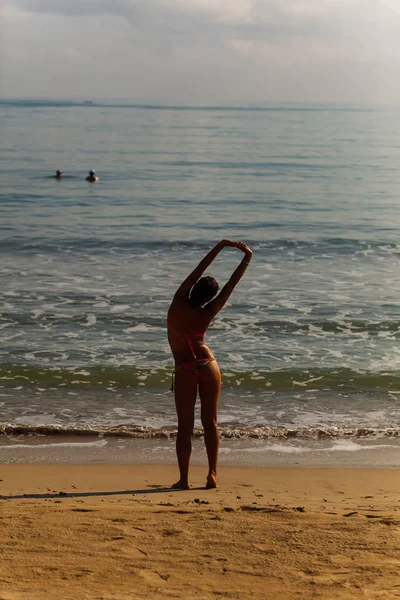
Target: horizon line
[270,106]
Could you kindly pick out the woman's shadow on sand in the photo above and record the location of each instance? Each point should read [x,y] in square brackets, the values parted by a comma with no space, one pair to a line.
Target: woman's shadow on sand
[152,489]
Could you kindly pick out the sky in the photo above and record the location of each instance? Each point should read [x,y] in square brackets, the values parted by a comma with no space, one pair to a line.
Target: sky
[201,52]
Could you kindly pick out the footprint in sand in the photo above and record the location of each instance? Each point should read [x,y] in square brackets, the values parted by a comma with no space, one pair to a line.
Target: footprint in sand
[172,531]
[154,578]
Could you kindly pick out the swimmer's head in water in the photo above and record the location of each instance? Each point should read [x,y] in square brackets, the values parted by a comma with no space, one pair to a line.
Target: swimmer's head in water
[203,291]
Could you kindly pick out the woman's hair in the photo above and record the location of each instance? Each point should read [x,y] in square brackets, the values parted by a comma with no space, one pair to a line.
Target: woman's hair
[203,291]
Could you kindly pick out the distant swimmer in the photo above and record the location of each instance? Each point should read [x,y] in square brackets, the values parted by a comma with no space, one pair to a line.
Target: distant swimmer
[59,174]
[92,177]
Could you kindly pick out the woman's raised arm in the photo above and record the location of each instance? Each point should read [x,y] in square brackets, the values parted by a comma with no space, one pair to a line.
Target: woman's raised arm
[215,305]
[189,282]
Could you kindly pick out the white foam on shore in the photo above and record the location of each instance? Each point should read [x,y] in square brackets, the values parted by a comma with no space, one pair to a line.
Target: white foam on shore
[349,446]
[47,445]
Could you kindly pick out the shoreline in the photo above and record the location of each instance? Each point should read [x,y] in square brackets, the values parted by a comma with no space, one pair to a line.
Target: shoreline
[120,531]
[350,453]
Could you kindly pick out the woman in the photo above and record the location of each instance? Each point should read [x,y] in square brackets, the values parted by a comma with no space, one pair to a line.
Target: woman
[194,306]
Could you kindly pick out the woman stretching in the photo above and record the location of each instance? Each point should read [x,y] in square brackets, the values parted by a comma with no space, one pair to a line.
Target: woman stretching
[194,306]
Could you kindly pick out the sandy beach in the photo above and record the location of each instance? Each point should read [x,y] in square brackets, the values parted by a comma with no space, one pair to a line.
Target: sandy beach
[118,532]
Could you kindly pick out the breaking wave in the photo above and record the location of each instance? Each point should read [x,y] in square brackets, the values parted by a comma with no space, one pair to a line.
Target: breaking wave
[262,433]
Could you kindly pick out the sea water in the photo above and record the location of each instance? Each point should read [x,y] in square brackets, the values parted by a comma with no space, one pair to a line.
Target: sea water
[308,344]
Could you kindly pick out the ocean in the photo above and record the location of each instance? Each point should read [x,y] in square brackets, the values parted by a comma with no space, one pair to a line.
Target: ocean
[308,344]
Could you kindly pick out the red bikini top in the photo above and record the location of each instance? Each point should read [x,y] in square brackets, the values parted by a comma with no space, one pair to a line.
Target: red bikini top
[187,337]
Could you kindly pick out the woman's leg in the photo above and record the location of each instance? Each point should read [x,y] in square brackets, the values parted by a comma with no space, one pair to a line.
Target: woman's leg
[185,400]
[209,390]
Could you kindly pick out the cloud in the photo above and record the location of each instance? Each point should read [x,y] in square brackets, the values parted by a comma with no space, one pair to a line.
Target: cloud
[145,11]
[71,8]
[353,23]
[205,49]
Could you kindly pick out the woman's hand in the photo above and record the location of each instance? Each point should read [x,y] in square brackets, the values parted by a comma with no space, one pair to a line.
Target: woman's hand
[225,243]
[245,249]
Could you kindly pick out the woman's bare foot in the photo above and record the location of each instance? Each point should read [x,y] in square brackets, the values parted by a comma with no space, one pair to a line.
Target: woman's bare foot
[182,484]
[211,481]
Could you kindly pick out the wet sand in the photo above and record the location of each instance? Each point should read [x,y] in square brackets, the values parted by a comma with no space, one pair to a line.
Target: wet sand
[119,532]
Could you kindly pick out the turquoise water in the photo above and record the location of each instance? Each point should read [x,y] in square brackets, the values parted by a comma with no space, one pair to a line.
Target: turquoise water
[308,344]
